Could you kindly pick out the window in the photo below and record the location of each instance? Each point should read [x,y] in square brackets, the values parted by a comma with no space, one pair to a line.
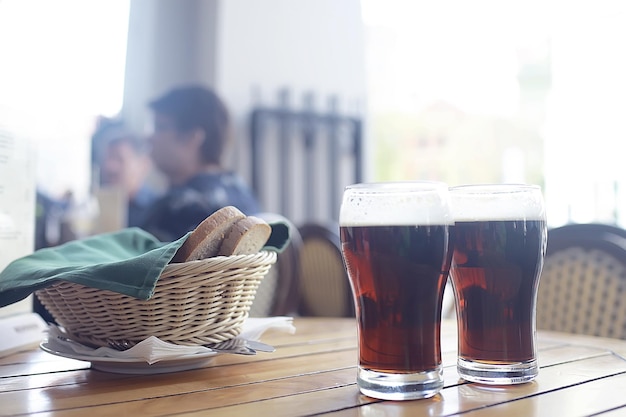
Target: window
[62,65]
[491,91]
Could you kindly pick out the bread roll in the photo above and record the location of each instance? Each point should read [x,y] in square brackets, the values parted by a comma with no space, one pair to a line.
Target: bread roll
[207,237]
[246,237]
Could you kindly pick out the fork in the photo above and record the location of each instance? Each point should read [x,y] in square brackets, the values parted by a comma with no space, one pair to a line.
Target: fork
[238,346]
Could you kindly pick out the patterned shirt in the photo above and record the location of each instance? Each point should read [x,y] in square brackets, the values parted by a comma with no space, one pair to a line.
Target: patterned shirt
[139,206]
[182,208]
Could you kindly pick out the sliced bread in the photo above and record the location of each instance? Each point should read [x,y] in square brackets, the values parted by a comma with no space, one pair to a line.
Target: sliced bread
[246,237]
[207,237]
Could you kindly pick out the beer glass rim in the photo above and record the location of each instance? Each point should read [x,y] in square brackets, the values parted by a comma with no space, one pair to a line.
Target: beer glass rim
[401,186]
[494,188]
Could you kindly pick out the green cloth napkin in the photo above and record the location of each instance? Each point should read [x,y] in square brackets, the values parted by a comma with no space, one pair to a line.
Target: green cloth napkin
[128,262]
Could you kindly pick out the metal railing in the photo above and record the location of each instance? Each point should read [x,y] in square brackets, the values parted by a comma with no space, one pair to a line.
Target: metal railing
[303,158]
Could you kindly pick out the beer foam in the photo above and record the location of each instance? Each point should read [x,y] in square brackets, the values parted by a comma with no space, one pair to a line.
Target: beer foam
[497,202]
[395,204]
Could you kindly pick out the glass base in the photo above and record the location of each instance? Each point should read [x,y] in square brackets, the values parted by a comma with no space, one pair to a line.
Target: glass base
[395,387]
[497,374]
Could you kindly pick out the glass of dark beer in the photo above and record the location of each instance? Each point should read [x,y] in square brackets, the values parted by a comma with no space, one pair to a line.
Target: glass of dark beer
[499,244]
[395,246]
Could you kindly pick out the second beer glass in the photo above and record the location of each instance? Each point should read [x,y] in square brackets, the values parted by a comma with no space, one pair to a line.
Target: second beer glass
[395,246]
[499,245]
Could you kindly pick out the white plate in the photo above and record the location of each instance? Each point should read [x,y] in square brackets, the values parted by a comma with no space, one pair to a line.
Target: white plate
[173,358]
[133,366]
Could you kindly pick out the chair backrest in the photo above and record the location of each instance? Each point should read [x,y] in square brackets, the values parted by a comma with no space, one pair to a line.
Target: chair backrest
[583,283]
[324,286]
[278,293]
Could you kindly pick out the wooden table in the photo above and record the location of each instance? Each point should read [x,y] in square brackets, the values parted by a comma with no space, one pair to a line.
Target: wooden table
[313,372]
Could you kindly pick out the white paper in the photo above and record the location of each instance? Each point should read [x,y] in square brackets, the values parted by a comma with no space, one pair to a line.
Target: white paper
[17,197]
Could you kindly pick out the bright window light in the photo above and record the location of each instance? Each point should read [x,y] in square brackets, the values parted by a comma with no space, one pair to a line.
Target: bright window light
[486,90]
[62,65]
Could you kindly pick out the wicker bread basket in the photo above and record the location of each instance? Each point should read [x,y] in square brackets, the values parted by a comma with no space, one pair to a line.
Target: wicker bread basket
[194,303]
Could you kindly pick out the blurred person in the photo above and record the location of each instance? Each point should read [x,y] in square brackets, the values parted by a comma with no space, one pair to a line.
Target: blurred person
[126,164]
[49,214]
[191,134]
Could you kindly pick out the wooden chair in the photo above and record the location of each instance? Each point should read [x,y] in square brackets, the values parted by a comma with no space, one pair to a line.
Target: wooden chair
[583,283]
[324,286]
[277,294]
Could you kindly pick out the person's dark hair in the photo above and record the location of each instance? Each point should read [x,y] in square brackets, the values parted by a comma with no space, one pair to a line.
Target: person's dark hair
[138,144]
[195,107]
[110,132]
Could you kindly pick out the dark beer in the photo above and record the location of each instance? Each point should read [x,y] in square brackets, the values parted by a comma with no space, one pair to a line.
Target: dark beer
[495,273]
[398,274]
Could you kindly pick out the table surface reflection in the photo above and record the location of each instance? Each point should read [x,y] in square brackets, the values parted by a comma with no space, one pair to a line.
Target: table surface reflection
[313,372]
